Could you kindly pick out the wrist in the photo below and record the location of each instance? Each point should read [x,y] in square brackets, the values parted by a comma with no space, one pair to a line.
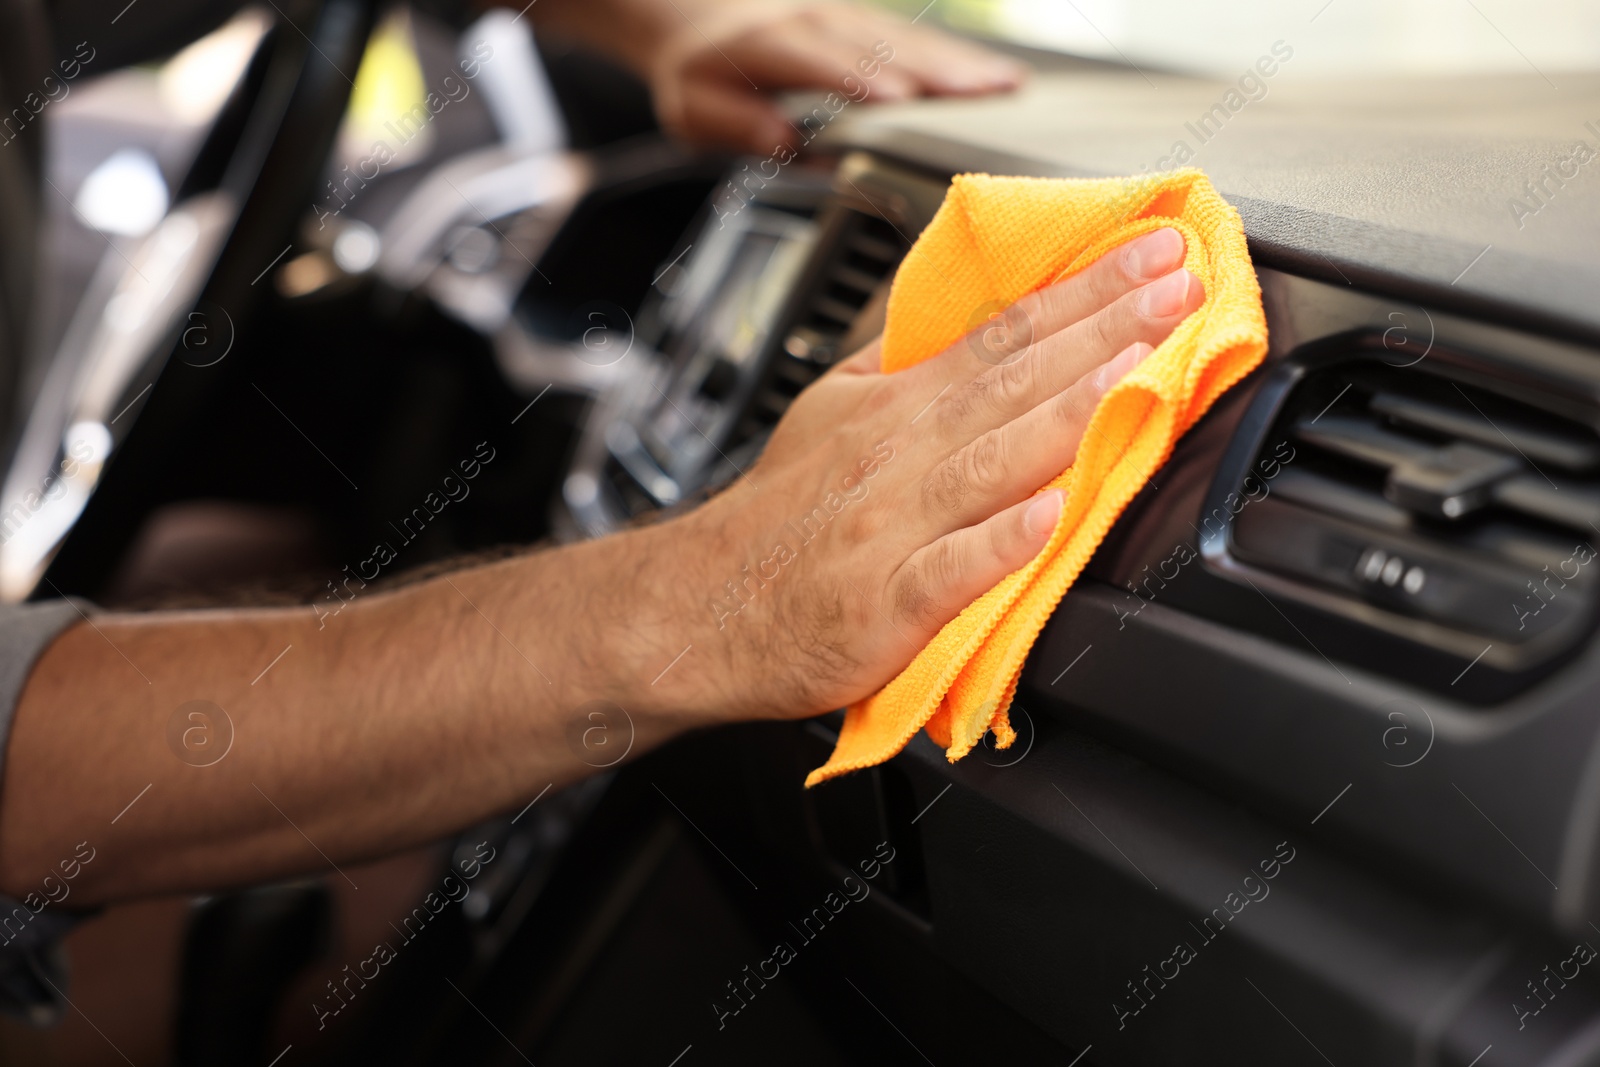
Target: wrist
[587,651]
[676,664]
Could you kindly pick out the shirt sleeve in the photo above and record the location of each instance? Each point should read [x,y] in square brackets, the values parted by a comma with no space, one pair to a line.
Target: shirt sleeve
[25,631]
[32,967]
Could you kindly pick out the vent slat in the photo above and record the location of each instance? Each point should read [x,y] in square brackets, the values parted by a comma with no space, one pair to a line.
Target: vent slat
[1540,444]
[1432,498]
[795,372]
[859,280]
[1568,505]
[886,252]
[1359,439]
[864,255]
[837,310]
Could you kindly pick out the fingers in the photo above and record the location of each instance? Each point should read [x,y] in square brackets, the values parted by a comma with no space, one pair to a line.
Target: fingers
[1142,260]
[816,47]
[865,56]
[714,104]
[986,521]
[1005,335]
[937,63]
[940,579]
[712,112]
[1014,331]
[1007,463]
[795,52]
[1147,314]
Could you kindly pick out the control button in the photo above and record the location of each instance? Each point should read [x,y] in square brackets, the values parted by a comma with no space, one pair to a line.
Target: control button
[1463,589]
[1376,565]
[1372,566]
[1414,580]
[1449,481]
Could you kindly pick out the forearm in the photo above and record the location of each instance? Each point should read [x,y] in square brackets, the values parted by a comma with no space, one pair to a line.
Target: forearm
[402,718]
[806,585]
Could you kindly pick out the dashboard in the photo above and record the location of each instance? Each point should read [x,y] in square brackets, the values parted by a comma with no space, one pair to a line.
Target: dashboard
[1348,640]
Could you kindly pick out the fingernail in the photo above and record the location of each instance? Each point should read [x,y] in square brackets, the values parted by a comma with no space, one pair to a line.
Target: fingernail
[1042,515]
[1117,367]
[1154,254]
[1006,73]
[1165,298]
[969,81]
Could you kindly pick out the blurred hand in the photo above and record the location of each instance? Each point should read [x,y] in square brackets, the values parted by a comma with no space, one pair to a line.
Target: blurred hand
[884,504]
[715,73]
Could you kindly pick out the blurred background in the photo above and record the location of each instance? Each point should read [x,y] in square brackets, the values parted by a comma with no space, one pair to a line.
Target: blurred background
[1351,37]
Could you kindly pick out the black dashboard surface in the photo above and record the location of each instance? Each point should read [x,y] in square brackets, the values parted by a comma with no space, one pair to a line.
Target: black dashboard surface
[1279,723]
[1407,186]
[1359,198]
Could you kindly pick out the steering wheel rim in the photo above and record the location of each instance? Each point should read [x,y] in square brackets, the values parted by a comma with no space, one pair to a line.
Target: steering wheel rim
[236,213]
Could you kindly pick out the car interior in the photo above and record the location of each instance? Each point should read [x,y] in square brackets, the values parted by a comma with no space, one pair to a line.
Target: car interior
[1305,705]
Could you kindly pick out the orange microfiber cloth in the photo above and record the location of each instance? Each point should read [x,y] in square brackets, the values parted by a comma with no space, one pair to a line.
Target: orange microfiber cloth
[993,241]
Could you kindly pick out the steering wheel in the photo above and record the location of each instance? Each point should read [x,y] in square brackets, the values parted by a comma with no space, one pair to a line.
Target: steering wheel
[145,350]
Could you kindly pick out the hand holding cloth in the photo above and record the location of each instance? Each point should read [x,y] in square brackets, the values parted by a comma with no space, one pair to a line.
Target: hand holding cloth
[993,241]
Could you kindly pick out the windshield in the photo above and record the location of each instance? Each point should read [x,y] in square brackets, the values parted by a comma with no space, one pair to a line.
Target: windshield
[1329,37]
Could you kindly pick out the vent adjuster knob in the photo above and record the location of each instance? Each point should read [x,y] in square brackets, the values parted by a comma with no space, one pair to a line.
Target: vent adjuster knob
[1448,482]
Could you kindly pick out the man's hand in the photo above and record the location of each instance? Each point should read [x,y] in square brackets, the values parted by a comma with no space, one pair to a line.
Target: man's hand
[885,504]
[714,66]
[713,80]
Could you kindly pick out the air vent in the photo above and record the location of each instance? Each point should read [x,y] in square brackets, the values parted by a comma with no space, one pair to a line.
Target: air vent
[861,253]
[854,255]
[1430,499]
